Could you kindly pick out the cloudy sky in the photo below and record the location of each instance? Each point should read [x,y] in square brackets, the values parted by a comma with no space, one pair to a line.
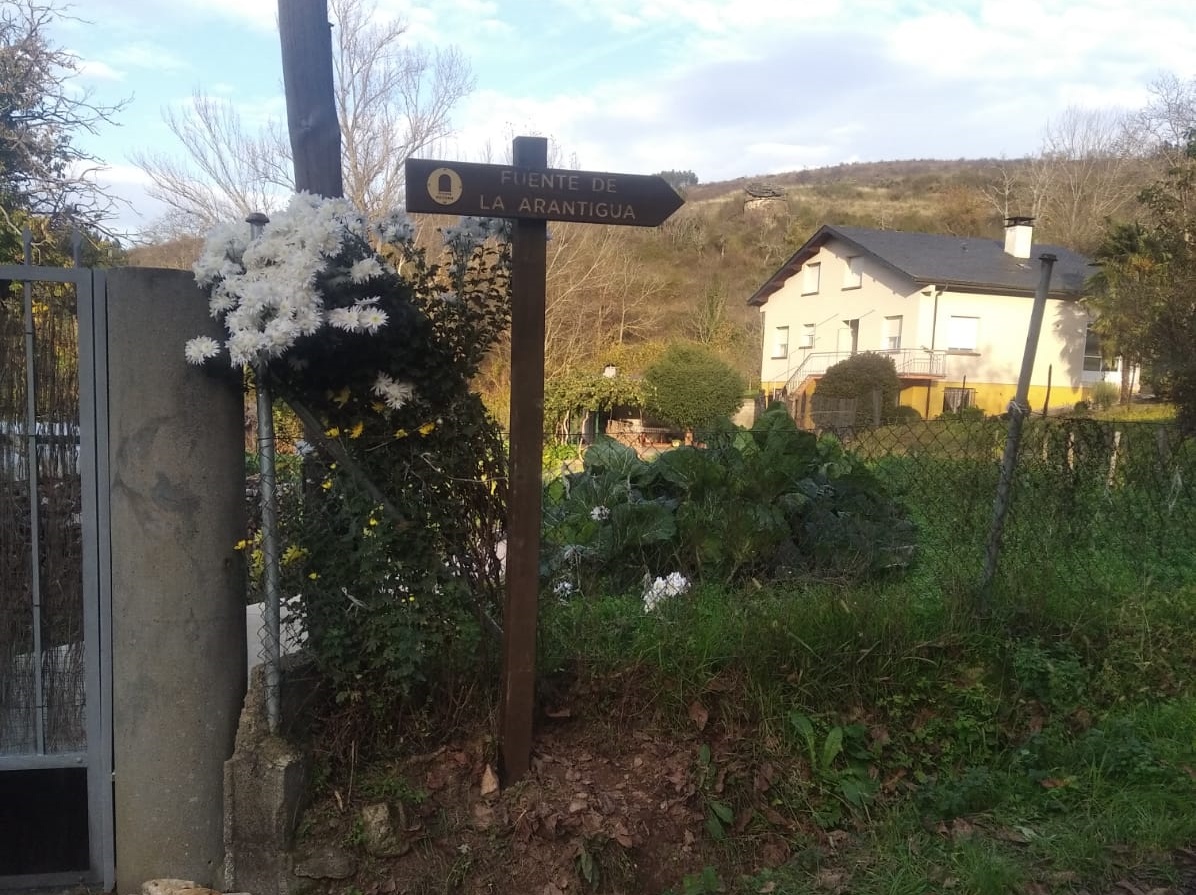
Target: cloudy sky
[725,88]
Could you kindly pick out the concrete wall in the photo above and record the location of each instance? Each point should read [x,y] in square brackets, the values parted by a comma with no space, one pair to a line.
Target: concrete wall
[176,448]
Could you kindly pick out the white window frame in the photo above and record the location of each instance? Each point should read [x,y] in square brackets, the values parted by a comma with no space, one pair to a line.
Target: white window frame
[963,333]
[853,272]
[811,278]
[892,333]
[1095,362]
[807,335]
[780,342]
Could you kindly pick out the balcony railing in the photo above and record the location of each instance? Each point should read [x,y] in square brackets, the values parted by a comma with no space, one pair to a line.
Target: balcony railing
[911,363]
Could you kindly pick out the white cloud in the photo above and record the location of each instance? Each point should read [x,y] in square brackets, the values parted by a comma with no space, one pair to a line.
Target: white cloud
[148,55]
[99,71]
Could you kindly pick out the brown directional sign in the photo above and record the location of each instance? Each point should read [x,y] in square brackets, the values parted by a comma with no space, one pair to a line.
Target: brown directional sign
[531,193]
[544,194]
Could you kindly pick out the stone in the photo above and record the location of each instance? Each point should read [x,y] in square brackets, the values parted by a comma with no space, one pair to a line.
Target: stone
[379,834]
[324,861]
[489,781]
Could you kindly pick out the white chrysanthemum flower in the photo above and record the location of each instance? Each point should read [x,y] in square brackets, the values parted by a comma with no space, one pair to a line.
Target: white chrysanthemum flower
[200,349]
[365,269]
[245,345]
[348,319]
[600,513]
[280,333]
[395,228]
[371,319]
[663,589]
[393,394]
[265,291]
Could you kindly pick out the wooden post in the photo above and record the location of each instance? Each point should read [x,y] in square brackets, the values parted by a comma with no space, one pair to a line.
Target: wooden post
[529,251]
[307,79]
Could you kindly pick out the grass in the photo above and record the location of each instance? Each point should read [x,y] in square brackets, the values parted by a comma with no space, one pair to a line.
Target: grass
[1049,746]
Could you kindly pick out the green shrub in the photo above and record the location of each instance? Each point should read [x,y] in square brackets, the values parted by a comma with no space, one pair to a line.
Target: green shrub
[770,501]
[858,378]
[964,413]
[1104,394]
[690,387]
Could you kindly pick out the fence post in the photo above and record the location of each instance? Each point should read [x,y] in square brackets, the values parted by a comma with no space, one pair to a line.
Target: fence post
[1019,409]
[268,501]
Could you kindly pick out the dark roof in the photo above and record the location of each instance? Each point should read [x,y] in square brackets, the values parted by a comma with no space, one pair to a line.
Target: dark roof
[955,262]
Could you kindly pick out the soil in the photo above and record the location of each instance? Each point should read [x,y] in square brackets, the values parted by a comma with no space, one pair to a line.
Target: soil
[615,802]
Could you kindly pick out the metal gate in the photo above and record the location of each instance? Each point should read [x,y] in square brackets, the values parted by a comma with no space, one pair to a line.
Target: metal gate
[56,817]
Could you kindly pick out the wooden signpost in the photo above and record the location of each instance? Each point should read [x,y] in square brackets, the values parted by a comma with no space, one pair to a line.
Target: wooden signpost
[531,193]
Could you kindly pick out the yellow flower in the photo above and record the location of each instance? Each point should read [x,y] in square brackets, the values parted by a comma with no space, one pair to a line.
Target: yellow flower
[241,544]
[326,484]
[342,397]
[333,432]
[373,521]
[401,433]
[314,576]
[426,428]
[377,407]
[292,554]
[358,428]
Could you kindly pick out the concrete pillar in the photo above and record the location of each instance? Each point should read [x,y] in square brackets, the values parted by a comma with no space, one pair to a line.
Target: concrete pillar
[176,453]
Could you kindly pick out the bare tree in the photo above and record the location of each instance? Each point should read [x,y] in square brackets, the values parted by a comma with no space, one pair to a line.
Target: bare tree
[1162,129]
[393,100]
[42,170]
[228,171]
[1089,156]
[1018,187]
[597,297]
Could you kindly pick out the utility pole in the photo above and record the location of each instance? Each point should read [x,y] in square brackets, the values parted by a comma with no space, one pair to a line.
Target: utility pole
[307,78]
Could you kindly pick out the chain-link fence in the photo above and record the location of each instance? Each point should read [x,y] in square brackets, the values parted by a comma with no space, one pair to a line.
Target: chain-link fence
[1094,502]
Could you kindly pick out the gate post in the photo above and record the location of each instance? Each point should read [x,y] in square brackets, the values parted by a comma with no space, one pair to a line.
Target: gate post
[176,458]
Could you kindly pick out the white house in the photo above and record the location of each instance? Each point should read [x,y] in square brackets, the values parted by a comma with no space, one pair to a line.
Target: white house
[952,312]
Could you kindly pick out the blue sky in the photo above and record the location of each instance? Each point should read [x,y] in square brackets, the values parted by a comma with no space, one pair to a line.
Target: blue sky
[725,88]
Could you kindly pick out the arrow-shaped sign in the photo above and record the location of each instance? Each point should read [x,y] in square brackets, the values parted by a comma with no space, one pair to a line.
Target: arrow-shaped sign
[546,194]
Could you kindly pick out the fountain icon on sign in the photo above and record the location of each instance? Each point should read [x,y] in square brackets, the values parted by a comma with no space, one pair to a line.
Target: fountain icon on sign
[444,186]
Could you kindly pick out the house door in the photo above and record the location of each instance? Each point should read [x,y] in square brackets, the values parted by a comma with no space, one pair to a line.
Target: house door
[848,338]
[55,716]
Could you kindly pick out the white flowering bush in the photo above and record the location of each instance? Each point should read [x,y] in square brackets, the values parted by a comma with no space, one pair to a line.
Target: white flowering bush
[394,546]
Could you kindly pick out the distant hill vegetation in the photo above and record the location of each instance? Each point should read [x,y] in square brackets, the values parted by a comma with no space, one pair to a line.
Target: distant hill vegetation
[619,294]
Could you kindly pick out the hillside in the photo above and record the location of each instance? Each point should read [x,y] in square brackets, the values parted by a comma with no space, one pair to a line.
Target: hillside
[617,294]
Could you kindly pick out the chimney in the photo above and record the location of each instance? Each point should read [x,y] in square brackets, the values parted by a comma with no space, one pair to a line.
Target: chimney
[1019,236]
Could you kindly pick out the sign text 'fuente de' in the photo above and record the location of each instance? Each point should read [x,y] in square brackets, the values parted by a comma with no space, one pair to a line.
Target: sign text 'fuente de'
[531,193]
[551,194]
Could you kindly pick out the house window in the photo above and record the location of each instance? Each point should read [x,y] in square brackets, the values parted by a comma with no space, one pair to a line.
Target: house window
[807,336]
[780,342]
[853,274]
[963,333]
[955,399]
[892,334]
[811,278]
[1095,359]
